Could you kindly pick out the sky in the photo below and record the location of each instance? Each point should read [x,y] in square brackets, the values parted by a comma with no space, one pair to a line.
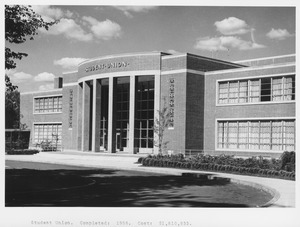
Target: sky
[83,32]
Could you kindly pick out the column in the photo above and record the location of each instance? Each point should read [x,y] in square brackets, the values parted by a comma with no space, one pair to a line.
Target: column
[79,116]
[111,140]
[96,115]
[86,116]
[156,105]
[131,113]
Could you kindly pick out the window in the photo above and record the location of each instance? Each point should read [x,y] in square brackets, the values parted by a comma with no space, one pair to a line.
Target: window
[276,135]
[47,133]
[266,89]
[48,104]
[144,116]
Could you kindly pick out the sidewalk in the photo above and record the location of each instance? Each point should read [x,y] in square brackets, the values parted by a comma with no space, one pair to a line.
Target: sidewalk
[283,190]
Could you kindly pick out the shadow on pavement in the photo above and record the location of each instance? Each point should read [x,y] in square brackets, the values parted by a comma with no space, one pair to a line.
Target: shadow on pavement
[113,188]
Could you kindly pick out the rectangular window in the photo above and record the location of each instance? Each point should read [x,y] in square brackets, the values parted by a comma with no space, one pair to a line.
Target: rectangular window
[276,135]
[48,104]
[267,89]
[47,133]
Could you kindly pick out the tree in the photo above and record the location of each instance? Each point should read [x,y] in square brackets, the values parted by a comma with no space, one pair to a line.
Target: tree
[12,108]
[161,123]
[21,22]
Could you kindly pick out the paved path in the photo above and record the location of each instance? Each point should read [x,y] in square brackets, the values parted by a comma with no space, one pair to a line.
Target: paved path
[283,190]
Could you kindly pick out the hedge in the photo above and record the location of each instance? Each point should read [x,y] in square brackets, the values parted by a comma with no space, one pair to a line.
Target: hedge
[22,152]
[283,167]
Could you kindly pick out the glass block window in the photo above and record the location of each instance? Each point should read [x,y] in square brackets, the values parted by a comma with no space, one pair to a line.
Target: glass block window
[277,135]
[48,104]
[47,133]
[266,89]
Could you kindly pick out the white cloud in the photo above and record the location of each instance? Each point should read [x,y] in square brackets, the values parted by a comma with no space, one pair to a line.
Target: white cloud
[137,9]
[279,34]
[70,29]
[232,26]
[17,77]
[45,76]
[69,63]
[173,51]
[49,13]
[105,30]
[225,43]
[46,87]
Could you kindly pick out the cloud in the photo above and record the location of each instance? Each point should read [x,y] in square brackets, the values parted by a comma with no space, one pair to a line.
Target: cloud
[136,9]
[224,43]
[173,51]
[232,26]
[70,29]
[18,77]
[45,76]
[105,30]
[279,34]
[46,87]
[69,63]
[49,13]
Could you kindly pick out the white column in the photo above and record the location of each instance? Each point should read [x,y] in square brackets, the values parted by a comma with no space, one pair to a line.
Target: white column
[85,117]
[96,115]
[157,79]
[111,140]
[79,117]
[131,114]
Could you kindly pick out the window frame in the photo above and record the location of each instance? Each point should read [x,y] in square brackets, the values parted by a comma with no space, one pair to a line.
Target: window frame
[283,76]
[50,109]
[283,121]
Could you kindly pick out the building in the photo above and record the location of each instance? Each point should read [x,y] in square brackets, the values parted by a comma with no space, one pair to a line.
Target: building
[110,104]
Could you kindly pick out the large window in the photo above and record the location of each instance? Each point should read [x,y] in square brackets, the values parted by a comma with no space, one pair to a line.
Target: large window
[48,104]
[257,90]
[50,133]
[122,116]
[144,112]
[277,135]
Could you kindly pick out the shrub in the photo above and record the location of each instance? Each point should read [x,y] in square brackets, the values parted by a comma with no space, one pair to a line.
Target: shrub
[140,160]
[22,152]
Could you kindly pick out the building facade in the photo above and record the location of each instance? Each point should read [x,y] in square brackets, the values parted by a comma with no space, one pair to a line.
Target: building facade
[110,104]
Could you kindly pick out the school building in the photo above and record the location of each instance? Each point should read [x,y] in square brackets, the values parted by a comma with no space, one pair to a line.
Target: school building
[110,104]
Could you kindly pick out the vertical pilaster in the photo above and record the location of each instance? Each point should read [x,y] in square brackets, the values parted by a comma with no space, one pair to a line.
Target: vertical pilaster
[96,115]
[131,113]
[156,105]
[79,117]
[85,116]
[111,140]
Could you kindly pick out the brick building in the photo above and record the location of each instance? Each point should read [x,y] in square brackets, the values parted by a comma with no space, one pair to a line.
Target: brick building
[110,103]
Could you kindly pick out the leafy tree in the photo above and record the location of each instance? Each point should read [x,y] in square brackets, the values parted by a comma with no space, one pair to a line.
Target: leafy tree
[12,108]
[21,22]
[161,123]
[9,86]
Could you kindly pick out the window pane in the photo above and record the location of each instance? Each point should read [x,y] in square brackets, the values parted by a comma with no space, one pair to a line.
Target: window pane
[233,91]
[223,92]
[277,92]
[243,93]
[254,90]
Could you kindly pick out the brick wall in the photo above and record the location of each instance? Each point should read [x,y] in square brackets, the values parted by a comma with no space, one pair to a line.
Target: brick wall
[69,134]
[263,110]
[27,108]
[176,136]
[195,111]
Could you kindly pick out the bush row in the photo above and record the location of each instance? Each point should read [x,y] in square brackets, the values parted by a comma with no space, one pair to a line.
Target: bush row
[22,152]
[253,166]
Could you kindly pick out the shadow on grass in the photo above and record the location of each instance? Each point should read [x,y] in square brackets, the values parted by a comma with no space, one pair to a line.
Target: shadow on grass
[113,188]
